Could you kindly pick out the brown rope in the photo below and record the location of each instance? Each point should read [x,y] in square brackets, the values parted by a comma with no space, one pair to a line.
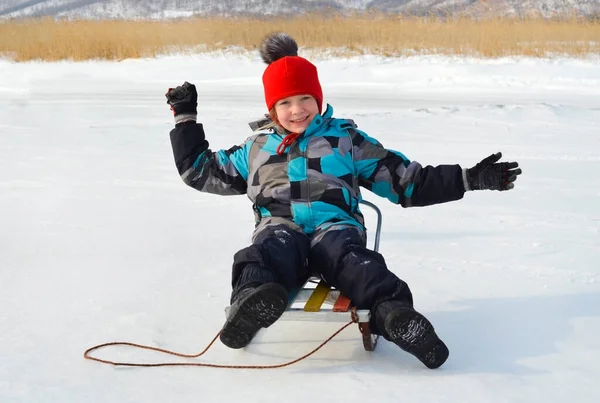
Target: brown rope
[87,355]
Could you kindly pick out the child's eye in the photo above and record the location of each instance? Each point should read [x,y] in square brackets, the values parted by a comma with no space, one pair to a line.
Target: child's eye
[306,98]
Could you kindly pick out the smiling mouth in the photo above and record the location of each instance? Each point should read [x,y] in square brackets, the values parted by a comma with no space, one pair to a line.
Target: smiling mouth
[299,120]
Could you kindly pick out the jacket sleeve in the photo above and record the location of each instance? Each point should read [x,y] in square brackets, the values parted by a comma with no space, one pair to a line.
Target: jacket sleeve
[390,174]
[223,172]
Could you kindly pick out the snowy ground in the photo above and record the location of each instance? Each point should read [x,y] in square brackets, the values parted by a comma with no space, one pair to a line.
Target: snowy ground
[101,241]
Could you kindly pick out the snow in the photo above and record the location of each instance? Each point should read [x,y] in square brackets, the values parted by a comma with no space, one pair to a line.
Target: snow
[101,241]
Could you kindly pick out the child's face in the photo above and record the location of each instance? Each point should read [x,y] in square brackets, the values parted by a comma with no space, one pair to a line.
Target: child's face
[296,112]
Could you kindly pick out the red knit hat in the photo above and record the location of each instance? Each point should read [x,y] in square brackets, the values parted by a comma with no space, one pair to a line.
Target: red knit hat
[288,76]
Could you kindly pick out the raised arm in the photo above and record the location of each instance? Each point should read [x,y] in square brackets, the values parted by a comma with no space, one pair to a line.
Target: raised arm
[222,172]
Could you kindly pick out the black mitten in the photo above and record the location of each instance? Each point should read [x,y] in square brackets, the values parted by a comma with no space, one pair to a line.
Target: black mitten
[184,101]
[489,174]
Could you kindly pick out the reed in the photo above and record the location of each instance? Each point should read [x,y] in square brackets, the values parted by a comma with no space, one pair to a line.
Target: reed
[52,40]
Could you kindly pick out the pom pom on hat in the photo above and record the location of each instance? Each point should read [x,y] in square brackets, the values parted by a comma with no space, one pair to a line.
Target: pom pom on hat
[287,74]
[277,45]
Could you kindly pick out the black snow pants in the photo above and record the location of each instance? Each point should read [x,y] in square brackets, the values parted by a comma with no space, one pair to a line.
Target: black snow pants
[338,255]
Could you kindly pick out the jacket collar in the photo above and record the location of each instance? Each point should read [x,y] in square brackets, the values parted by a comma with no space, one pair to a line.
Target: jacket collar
[319,121]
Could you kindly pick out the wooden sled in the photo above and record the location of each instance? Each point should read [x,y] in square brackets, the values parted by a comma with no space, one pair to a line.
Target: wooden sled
[326,304]
[316,301]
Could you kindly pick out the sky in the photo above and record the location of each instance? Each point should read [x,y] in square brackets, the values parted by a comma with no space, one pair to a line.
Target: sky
[101,241]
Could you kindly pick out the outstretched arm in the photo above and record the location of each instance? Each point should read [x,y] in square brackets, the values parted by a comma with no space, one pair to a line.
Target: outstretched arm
[223,172]
[391,175]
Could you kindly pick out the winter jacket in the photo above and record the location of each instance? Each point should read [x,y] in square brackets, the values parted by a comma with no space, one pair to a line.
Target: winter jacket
[316,182]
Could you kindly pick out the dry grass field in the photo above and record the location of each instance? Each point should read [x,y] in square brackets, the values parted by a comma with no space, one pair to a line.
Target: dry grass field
[51,40]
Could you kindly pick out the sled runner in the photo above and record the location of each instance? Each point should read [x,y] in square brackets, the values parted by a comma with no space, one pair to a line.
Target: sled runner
[316,301]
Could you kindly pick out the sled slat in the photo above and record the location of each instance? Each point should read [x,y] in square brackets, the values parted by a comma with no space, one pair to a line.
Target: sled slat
[342,304]
[324,315]
[317,298]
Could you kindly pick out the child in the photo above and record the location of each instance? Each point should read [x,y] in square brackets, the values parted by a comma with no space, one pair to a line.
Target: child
[303,179]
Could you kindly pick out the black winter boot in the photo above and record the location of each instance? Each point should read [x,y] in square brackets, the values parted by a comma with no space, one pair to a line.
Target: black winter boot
[252,309]
[412,332]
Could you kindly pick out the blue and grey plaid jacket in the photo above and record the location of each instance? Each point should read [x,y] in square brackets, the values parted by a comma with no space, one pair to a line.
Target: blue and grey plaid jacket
[316,182]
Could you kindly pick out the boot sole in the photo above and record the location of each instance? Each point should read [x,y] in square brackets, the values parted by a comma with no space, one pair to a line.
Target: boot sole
[258,310]
[413,333]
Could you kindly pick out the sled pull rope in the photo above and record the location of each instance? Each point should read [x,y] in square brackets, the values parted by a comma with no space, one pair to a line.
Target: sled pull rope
[87,352]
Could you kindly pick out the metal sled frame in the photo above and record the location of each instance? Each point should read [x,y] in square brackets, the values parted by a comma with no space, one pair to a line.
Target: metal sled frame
[316,301]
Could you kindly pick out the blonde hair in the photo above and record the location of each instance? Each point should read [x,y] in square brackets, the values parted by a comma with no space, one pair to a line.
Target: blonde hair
[274,123]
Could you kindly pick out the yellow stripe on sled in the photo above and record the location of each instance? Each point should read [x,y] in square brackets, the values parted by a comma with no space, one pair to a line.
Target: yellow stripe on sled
[317,298]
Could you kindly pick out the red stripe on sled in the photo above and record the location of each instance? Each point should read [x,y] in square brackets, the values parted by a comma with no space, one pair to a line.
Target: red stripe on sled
[342,304]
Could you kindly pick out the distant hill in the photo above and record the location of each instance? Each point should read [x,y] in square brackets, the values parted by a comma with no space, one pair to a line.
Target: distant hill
[167,9]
